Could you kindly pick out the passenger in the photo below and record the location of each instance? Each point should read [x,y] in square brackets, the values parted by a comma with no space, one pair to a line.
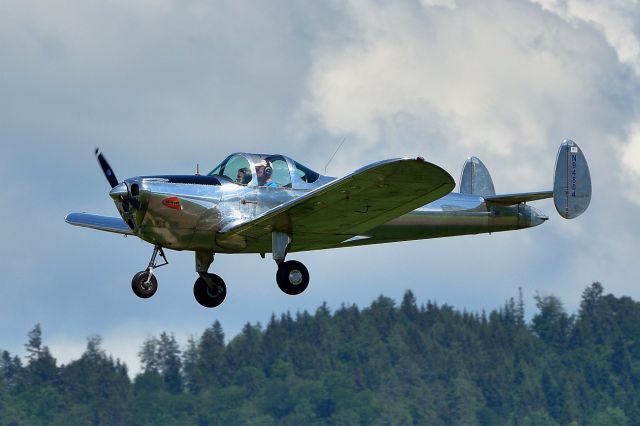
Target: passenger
[264,172]
[244,176]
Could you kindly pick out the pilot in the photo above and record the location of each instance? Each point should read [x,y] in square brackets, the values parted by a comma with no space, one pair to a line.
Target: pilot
[244,176]
[264,172]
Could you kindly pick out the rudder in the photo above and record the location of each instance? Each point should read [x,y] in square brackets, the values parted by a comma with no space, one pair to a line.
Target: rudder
[572,181]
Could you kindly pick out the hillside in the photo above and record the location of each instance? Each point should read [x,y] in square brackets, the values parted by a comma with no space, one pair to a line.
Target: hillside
[385,364]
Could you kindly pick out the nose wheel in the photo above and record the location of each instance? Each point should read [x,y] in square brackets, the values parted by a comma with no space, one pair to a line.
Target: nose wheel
[145,284]
[209,290]
[292,277]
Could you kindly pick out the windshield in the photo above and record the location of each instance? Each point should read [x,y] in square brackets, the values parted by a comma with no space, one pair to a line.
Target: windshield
[236,168]
[263,170]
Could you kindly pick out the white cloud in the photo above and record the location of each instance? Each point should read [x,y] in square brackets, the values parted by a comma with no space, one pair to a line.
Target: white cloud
[161,85]
[505,80]
[618,21]
[630,154]
[495,79]
[449,4]
[122,342]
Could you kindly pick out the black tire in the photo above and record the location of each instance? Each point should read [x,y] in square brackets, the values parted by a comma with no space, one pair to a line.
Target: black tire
[140,286]
[210,297]
[292,277]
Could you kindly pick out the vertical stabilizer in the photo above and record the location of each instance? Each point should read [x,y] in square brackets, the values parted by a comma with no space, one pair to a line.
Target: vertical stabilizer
[572,181]
[475,178]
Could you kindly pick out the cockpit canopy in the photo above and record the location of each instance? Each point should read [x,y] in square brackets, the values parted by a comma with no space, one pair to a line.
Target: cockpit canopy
[276,171]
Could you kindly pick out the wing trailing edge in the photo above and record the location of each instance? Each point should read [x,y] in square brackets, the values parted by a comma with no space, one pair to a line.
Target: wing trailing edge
[523,197]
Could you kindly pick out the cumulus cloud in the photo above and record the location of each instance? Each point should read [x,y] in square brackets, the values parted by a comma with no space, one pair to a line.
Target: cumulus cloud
[122,342]
[618,21]
[503,80]
[163,84]
[631,164]
[449,4]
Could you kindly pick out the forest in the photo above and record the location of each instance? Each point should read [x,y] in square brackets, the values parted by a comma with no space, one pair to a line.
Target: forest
[386,364]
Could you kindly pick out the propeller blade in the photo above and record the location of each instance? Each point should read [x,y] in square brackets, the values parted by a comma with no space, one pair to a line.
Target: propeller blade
[106,168]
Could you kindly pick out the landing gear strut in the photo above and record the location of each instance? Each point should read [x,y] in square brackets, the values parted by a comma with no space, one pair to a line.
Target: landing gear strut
[292,276]
[144,284]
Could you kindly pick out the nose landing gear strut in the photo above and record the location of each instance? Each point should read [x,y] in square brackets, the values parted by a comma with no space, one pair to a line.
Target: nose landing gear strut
[144,284]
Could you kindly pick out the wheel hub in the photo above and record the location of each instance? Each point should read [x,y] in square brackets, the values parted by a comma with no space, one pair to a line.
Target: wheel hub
[295,277]
[146,284]
[213,291]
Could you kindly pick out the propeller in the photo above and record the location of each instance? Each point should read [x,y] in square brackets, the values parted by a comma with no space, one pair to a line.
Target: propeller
[106,168]
[127,199]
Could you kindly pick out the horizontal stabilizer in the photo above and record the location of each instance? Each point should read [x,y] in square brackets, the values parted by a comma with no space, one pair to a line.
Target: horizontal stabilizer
[524,197]
[572,181]
[475,178]
[102,223]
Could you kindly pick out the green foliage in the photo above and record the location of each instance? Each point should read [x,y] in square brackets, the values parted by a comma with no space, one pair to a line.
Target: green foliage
[551,324]
[97,385]
[608,417]
[384,364]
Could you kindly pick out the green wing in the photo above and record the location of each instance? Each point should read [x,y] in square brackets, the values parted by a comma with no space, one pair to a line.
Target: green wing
[345,207]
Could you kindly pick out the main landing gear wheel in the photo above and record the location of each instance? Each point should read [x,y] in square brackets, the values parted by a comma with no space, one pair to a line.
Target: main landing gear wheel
[292,277]
[144,284]
[210,294]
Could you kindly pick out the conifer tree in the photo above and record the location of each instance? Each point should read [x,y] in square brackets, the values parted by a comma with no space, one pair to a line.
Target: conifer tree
[148,354]
[551,324]
[11,369]
[34,345]
[170,364]
[211,354]
[41,366]
[408,306]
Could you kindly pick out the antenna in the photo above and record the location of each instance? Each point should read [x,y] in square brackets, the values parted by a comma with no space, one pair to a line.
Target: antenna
[198,169]
[334,154]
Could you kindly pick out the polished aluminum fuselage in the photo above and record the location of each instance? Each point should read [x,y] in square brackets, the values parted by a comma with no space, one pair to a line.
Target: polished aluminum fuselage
[205,210]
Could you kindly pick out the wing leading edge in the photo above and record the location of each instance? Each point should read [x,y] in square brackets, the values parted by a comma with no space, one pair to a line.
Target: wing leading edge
[102,223]
[346,207]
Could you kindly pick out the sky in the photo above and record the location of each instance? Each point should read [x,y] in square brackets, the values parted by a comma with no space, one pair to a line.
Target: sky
[163,85]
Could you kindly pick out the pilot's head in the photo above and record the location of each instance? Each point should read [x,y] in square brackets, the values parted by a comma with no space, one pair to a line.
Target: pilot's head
[243,176]
[264,171]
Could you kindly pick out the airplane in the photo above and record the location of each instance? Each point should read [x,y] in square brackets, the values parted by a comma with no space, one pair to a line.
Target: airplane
[270,203]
